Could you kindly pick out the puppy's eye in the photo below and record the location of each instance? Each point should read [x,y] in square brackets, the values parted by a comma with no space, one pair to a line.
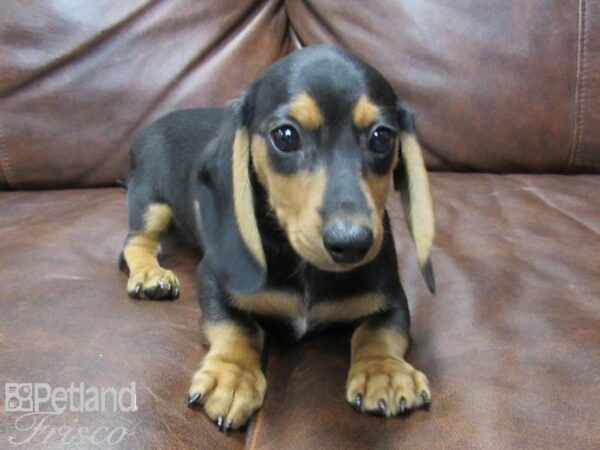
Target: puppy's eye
[286,139]
[382,140]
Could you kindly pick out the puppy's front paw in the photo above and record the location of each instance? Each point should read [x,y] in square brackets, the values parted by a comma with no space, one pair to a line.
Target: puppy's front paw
[229,392]
[386,386]
[155,284]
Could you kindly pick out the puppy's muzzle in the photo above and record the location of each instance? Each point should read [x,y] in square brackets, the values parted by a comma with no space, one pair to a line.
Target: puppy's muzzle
[347,242]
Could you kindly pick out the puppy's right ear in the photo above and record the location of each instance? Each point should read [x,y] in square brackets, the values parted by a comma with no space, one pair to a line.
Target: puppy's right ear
[228,228]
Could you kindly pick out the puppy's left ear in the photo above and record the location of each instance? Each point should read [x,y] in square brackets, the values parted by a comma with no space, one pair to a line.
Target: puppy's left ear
[410,178]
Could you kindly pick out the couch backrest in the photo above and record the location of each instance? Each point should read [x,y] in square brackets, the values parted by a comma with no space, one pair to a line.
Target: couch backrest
[496,86]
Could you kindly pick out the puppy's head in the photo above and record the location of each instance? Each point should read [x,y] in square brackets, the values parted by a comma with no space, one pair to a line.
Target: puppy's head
[323,132]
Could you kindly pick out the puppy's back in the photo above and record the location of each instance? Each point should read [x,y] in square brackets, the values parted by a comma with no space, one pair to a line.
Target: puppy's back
[174,140]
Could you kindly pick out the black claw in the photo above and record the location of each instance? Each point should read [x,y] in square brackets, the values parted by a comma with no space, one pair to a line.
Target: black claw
[193,399]
[425,397]
[402,406]
[357,403]
[381,407]
[228,425]
[138,289]
[163,289]
[220,423]
[151,292]
[176,293]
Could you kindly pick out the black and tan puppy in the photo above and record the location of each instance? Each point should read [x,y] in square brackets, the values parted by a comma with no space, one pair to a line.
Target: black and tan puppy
[285,191]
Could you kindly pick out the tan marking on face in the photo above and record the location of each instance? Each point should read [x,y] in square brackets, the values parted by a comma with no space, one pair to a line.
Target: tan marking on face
[376,189]
[348,309]
[230,380]
[271,303]
[141,252]
[306,111]
[243,197]
[365,113]
[296,200]
[378,371]
[420,204]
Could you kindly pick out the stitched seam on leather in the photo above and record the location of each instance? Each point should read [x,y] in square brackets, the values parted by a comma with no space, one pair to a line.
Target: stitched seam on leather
[5,164]
[583,98]
[580,85]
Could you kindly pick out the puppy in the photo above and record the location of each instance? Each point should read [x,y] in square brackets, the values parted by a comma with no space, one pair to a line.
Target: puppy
[285,192]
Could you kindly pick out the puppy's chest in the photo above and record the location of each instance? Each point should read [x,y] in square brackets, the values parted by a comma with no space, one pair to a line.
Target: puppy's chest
[297,312]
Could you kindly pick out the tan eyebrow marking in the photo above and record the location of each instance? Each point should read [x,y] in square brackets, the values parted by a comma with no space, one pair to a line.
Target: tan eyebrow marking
[306,111]
[365,112]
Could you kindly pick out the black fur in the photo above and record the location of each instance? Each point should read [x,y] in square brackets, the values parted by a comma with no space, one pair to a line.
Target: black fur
[186,157]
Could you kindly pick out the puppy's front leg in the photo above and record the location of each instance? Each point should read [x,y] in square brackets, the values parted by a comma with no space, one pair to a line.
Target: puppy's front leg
[380,380]
[229,384]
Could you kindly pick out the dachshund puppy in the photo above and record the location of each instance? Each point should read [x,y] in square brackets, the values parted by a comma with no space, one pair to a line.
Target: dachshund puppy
[285,192]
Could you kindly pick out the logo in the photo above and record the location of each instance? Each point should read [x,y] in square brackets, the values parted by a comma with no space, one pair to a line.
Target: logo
[40,405]
[18,397]
[42,397]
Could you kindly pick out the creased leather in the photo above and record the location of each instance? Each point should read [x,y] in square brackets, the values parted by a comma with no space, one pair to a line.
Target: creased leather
[78,82]
[67,318]
[494,89]
[509,342]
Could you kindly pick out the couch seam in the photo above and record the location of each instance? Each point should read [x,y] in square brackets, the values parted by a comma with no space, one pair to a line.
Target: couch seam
[580,91]
[291,32]
[257,423]
[5,163]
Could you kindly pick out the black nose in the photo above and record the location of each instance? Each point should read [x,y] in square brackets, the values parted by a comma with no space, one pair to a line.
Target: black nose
[345,242]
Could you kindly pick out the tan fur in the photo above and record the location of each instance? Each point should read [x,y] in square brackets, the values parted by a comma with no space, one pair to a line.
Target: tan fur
[379,372]
[296,200]
[365,113]
[271,303]
[306,111]
[375,188]
[347,309]
[420,217]
[230,380]
[229,338]
[141,251]
[157,218]
[243,197]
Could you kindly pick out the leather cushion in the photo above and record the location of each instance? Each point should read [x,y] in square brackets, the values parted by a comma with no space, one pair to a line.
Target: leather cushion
[510,342]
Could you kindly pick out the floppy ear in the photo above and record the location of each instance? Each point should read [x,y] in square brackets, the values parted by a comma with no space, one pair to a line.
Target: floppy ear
[410,177]
[229,232]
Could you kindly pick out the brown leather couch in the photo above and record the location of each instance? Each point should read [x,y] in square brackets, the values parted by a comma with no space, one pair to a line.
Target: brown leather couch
[507,100]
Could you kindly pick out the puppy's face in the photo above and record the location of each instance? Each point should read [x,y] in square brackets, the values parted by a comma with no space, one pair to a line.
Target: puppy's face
[324,143]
